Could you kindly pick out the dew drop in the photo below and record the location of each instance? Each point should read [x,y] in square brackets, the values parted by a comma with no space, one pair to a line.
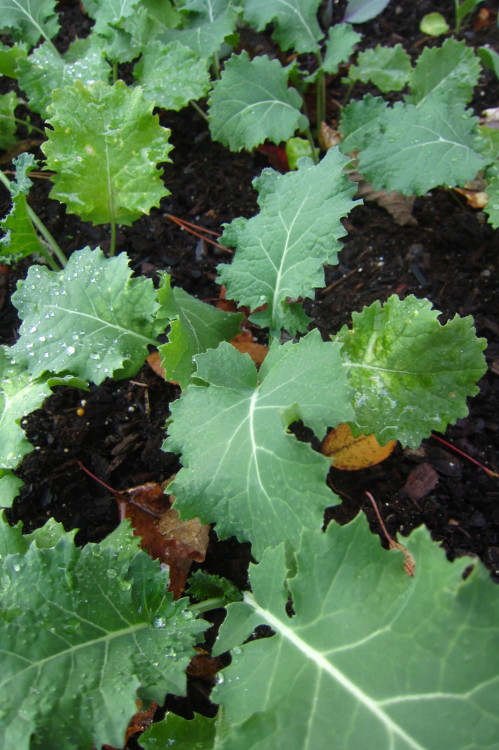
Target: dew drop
[70,350]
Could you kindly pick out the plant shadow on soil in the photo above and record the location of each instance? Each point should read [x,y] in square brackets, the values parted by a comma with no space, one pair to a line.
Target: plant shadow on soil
[449,255]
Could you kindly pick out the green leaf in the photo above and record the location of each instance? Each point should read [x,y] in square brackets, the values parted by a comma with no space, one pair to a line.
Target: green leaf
[371,657]
[20,239]
[434,24]
[252,103]
[20,394]
[281,251]
[294,22]
[194,327]
[8,124]
[202,586]
[492,207]
[340,45]
[106,632]
[241,468]
[9,487]
[199,733]
[109,12]
[172,75]
[104,148]
[360,123]
[9,58]
[410,375]
[490,58]
[359,11]
[150,18]
[422,147]
[90,319]
[205,25]
[449,73]
[28,21]
[45,70]
[387,67]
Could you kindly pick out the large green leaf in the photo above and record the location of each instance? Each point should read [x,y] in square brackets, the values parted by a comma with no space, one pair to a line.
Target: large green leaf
[9,486]
[85,632]
[387,67]
[104,149]
[448,73]
[29,20]
[371,658]
[252,103]
[410,374]
[90,319]
[295,24]
[241,467]
[281,251]
[174,731]
[205,25]
[45,70]
[194,327]
[172,75]
[422,146]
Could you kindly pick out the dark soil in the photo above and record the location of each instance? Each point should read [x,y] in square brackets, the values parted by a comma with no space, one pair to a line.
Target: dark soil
[449,256]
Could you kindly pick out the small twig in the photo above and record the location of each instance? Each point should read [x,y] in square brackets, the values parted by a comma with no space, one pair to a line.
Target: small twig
[191,228]
[465,455]
[409,562]
[121,497]
[337,282]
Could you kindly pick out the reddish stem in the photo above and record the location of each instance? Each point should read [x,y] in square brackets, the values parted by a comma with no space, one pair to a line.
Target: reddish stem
[465,455]
[190,227]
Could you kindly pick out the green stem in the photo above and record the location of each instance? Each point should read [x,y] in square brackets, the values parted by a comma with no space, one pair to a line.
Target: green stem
[214,603]
[199,110]
[115,71]
[348,93]
[456,15]
[216,65]
[112,249]
[49,239]
[24,122]
[320,92]
[310,139]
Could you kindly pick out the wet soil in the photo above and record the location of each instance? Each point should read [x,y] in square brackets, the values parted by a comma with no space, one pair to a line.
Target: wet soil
[449,255]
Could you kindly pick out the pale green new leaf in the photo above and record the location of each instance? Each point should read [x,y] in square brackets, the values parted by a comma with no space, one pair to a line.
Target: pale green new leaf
[372,658]
[9,487]
[387,67]
[295,24]
[84,633]
[281,251]
[172,75]
[29,20]
[449,73]
[205,25]
[340,45]
[410,375]
[194,327]
[241,467]
[8,125]
[104,149]
[45,70]
[422,146]
[176,732]
[492,207]
[252,103]
[91,319]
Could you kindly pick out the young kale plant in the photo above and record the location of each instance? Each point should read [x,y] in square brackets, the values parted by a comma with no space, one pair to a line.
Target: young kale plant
[356,662]
[107,624]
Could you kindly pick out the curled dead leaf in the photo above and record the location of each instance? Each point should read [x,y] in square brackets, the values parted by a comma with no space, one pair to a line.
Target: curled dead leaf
[350,453]
[328,137]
